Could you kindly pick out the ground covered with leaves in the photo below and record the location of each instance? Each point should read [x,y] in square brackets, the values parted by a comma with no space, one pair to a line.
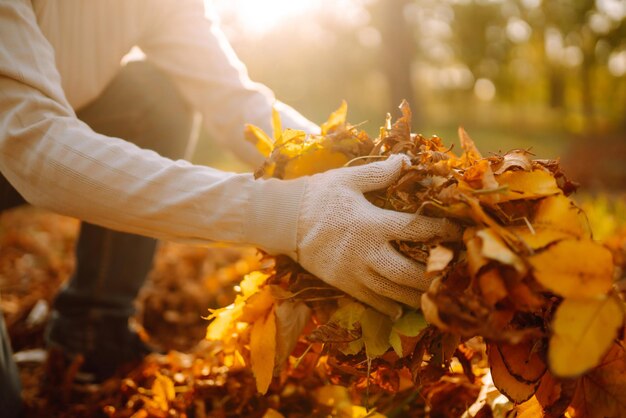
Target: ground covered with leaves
[524,317]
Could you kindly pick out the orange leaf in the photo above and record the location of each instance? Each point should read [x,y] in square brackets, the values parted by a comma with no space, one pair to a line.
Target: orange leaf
[602,392]
[263,350]
[523,361]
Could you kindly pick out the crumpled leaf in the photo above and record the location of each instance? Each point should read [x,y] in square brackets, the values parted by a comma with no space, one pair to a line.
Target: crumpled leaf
[582,332]
[516,159]
[574,268]
[263,350]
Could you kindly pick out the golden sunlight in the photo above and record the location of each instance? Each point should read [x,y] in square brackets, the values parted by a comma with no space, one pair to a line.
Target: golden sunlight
[261,16]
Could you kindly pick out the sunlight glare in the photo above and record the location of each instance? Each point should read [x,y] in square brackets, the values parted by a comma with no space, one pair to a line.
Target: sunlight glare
[262,16]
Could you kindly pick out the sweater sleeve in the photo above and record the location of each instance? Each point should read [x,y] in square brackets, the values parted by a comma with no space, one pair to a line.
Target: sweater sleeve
[57,162]
[187,43]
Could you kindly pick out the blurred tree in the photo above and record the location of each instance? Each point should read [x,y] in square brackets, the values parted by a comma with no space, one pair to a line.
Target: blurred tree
[397,53]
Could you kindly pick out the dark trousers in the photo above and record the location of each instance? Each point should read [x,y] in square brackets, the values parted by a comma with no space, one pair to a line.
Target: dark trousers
[142,106]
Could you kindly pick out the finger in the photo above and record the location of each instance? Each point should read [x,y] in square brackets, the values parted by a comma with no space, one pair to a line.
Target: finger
[378,302]
[394,291]
[379,175]
[392,265]
[419,228]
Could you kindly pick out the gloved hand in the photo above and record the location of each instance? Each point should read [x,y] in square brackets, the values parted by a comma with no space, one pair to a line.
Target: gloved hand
[344,239]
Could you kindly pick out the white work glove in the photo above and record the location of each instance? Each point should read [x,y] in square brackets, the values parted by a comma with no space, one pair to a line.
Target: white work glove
[345,240]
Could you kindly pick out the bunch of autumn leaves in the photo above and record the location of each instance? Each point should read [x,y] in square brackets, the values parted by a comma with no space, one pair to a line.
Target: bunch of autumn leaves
[527,276]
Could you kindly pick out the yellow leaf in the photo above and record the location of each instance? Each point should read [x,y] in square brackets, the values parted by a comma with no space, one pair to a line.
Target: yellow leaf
[251,283]
[259,139]
[556,218]
[336,119]
[312,162]
[523,185]
[257,305]
[272,413]
[574,268]
[277,127]
[582,332]
[263,350]
[376,329]
[163,391]
[529,409]
[223,322]
[357,411]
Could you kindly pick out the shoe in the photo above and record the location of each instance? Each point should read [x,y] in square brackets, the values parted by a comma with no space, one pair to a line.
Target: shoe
[94,348]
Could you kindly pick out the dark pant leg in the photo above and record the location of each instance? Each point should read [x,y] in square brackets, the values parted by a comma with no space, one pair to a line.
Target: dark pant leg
[141,105]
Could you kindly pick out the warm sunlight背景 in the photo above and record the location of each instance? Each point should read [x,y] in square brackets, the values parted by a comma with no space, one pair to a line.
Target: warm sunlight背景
[261,16]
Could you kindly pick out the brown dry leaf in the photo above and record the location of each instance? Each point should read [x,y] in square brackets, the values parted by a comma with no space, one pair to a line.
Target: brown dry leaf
[523,360]
[582,332]
[506,383]
[291,318]
[518,159]
[492,286]
[601,393]
[555,395]
[263,350]
[472,154]
[450,396]
[574,268]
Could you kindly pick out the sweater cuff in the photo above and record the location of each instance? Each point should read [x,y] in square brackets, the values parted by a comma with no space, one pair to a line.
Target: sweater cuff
[272,222]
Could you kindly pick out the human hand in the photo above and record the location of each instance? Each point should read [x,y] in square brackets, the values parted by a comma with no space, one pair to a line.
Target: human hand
[346,241]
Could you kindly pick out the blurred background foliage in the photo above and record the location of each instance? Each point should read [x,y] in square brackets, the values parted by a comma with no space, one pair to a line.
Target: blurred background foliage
[549,75]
